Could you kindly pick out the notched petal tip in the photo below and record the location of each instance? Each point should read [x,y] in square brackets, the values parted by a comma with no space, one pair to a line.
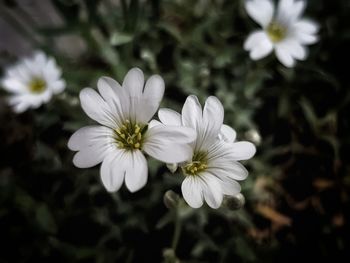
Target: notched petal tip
[192,192]
[72,143]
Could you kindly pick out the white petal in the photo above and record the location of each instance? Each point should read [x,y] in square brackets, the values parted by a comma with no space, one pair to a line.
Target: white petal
[133,82]
[32,67]
[236,151]
[28,100]
[42,97]
[22,73]
[288,11]
[192,112]
[91,155]
[96,108]
[168,152]
[170,134]
[213,117]
[243,150]
[115,97]
[192,191]
[144,107]
[304,30]
[254,39]
[227,133]
[169,117]
[306,26]
[50,71]
[154,89]
[223,167]
[14,85]
[229,186]
[113,171]
[307,39]
[262,47]
[294,47]
[58,86]
[108,88]
[40,59]
[153,123]
[169,144]
[212,190]
[260,10]
[18,104]
[284,56]
[21,107]
[137,171]
[89,135]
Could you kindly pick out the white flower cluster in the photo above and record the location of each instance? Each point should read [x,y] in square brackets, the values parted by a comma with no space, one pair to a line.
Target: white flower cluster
[196,140]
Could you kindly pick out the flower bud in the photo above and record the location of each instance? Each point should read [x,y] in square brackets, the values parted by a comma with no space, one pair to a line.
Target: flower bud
[253,136]
[234,202]
[169,256]
[170,199]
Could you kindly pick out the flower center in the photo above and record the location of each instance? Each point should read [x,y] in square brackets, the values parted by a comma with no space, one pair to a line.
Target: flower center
[199,164]
[130,136]
[37,85]
[276,31]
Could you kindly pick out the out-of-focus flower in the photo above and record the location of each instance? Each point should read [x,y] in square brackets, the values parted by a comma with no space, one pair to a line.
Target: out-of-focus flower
[124,134]
[32,82]
[283,30]
[213,169]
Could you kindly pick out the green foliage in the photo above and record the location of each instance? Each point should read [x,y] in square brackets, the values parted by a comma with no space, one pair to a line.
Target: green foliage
[297,193]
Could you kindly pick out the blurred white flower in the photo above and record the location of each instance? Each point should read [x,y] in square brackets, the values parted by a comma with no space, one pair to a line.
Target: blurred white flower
[213,169]
[283,30]
[124,134]
[32,82]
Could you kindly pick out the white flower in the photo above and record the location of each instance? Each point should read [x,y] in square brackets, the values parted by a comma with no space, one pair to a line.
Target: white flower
[213,169]
[283,30]
[32,82]
[124,134]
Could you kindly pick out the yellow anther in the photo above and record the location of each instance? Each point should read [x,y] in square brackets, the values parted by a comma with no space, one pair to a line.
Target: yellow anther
[129,135]
[37,85]
[197,165]
[276,31]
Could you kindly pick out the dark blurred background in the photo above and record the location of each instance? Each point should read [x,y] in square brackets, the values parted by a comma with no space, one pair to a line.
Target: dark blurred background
[297,193]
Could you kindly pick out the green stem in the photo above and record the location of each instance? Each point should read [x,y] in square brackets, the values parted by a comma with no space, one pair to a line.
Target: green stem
[177,230]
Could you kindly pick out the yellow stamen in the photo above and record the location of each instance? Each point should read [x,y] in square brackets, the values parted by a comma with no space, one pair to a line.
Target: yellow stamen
[276,31]
[37,85]
[130,136]
[197,165]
